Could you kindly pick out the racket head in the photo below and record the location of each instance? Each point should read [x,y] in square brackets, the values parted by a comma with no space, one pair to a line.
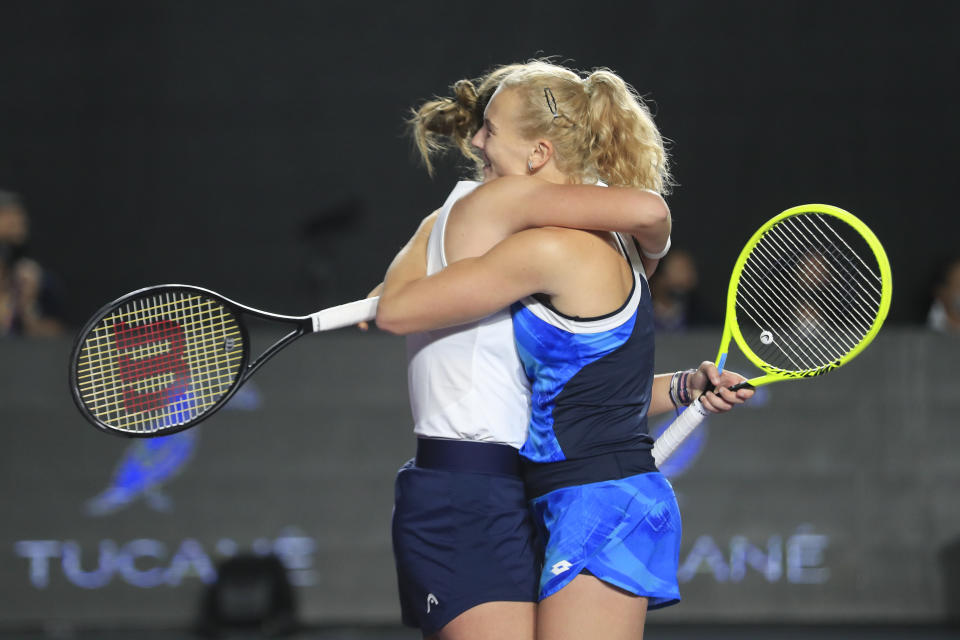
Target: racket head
[158,360]
[810,290]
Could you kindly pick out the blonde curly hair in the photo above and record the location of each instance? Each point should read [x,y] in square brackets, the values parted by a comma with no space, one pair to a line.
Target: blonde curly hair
[600,127]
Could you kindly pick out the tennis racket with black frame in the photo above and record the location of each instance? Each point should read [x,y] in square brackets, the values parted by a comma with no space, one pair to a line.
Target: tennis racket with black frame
[809,292]
[162,359]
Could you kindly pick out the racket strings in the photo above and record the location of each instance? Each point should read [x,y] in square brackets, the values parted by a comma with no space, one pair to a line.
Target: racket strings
[159,362]
[143,351]
[832,299]
[827,304]
[192,318]
[810,296]
[129,361]
[166,401]
[158,307]
[765,316]
[824,304]
[780,323]
[809,326]
[858,284]
[207,388]
[869,277]
[790,299]
[869,281]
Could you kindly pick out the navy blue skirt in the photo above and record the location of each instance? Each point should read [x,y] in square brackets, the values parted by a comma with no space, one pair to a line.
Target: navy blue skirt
[461,538]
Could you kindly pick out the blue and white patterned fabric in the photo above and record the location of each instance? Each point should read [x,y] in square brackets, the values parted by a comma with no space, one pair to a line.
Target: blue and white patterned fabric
[590,387]
[625,532]
[597,497]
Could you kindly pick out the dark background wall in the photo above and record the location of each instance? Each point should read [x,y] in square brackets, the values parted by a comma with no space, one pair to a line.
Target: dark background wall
[258,147]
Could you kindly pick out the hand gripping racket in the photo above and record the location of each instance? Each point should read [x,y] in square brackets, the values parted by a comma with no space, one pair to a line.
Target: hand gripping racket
[164,358]
[808,293]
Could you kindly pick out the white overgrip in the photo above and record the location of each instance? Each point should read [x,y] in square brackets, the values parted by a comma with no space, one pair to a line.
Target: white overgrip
[345,315]
[678,431]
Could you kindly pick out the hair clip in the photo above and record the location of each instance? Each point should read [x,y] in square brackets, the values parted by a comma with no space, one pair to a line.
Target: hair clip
[551,102]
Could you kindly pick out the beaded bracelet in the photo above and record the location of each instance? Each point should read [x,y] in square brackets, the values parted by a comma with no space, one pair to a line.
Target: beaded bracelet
[683,391]
[679,393]
[674,393]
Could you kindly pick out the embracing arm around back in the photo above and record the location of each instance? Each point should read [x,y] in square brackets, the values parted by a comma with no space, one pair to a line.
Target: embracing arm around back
[410,262]
[531,261]
[547,260]
[493,213]
[498,208]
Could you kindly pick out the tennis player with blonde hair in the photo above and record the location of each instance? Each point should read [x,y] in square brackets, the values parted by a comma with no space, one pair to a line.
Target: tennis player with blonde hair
[583,331]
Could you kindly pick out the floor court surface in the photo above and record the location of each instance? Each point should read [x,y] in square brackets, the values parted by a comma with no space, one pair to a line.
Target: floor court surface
[653,632]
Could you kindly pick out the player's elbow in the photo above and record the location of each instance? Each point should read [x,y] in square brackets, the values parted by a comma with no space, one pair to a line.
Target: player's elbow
[651,212]
[392,319]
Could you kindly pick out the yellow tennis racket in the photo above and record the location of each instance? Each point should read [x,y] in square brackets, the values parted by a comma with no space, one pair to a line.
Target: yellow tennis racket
[808,293]
[162,359]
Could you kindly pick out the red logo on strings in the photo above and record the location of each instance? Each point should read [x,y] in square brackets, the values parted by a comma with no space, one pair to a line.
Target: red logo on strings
[170,362]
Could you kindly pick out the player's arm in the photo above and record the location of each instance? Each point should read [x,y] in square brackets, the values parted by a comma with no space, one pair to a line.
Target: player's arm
[718,400]
[364,326]
[515,203]
[472,288]
[411,261]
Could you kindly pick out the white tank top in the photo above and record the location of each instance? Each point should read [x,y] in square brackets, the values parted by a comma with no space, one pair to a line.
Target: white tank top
[467,382]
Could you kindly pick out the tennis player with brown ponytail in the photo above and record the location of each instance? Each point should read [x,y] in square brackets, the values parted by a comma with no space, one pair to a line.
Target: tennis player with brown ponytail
[584,338]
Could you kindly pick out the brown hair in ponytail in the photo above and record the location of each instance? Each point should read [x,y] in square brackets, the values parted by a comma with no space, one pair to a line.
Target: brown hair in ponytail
[444,123]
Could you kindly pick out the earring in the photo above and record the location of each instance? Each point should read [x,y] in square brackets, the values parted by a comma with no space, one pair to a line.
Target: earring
[529,166]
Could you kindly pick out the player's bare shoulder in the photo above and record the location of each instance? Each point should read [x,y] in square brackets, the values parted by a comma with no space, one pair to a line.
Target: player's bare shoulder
[477,222]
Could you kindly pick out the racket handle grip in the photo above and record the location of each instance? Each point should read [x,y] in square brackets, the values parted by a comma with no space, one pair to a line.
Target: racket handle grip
[345,315]
[736,387]
[678,431]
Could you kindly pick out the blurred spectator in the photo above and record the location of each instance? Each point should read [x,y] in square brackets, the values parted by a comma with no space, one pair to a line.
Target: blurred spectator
[28,306]
[673,288]
[944,315]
